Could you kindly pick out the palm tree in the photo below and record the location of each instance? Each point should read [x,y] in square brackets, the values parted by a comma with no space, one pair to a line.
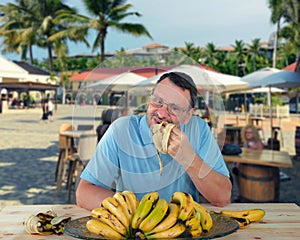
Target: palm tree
[240,53]
[254,51]
[211,51]
[34,22]
[107,14]
[16,30]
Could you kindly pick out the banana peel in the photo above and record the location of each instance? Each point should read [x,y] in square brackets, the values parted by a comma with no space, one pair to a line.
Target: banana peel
[243,217]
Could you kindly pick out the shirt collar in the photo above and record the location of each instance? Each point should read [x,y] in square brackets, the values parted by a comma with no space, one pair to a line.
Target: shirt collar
[145,131]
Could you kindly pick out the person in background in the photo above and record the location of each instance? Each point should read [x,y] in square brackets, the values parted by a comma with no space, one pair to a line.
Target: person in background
[45,111]
[50,109]
[127,159]
[251,138]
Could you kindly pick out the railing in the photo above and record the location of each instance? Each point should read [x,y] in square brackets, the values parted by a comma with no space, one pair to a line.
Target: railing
[259,110]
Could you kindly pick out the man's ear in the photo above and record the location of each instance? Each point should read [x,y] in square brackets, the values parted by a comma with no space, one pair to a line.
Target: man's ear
[188,115]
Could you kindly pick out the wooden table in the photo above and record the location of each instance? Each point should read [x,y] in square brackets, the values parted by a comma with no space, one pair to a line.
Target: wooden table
[259,179]
[282,221]
[68,151]
[264,157]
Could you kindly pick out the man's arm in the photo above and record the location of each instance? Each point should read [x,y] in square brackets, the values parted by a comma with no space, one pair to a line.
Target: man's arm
[90,196]
[215,187]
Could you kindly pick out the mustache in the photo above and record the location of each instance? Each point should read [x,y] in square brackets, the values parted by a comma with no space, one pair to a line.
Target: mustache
[155,115]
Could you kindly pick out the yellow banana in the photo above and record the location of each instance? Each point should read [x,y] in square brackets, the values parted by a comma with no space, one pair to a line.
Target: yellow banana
[169,220]
[251,214]
[171,232]
[155,216]
[186,203]
[205,219]
[243,222]
[134,202]
[193,223]
[103,215]
[144,208]
[112,205]
[102,229]
[125,204]
[193,226]
[194,233]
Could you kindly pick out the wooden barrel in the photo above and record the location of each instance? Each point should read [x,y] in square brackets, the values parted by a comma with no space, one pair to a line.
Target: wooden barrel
[297,142]
[258,183]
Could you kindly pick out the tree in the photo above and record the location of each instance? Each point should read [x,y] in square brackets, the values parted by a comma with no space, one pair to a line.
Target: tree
[107,14]
[240,53]
[32,22]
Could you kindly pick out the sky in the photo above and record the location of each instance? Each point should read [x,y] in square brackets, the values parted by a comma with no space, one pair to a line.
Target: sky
[175,22]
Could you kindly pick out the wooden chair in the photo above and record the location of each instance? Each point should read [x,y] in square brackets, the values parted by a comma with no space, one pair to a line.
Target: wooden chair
[86,147]
[63,151]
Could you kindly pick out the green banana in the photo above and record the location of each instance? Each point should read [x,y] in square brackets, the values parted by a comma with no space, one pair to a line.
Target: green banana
[205,219]
[134,202]
[169,221]
[112,205]
[125,204]
[144,208]
[155,216]
[186,203]
[251,214]
[172,232]
[103,215]
[102,229]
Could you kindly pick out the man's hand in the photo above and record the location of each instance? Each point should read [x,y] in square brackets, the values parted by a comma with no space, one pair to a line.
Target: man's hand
[180,148]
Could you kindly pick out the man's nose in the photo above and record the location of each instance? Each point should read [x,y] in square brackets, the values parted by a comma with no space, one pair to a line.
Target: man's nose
[163,111]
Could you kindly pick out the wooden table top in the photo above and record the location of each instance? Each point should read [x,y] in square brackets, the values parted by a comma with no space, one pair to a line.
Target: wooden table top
[282,221]
[73,134]
[262,157]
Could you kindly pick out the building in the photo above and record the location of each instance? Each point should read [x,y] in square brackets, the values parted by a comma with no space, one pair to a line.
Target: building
[23,85]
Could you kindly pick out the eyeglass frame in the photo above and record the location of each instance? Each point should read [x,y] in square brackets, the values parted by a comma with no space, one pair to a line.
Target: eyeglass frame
[162,103]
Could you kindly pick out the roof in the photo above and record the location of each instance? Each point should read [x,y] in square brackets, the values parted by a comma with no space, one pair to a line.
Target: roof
[103,73]
[33,86]
[31,69]
[291,67]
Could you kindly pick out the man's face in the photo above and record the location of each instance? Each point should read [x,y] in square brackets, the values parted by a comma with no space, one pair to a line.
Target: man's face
[169,103]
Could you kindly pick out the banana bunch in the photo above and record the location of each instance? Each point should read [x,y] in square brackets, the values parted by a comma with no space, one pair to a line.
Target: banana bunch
[124,217]
[244,217]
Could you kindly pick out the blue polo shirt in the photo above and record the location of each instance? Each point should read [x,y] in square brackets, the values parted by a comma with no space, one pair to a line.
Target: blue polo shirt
[126,159]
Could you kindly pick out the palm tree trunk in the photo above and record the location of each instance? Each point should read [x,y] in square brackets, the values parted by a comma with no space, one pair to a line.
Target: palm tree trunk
[275,45]
[30,55]
[50,57]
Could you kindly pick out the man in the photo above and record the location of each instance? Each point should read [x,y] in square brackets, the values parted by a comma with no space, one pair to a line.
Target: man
[126,157]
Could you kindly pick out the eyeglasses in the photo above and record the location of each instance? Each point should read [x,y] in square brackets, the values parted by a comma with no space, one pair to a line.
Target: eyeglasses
[249,132]
[172,108]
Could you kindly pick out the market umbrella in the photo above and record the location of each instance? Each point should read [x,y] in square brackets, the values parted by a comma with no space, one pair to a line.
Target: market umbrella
[119,83]
[203,78]
[281,79]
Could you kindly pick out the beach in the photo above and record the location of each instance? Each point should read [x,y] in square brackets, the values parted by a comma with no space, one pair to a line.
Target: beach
[29,153]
